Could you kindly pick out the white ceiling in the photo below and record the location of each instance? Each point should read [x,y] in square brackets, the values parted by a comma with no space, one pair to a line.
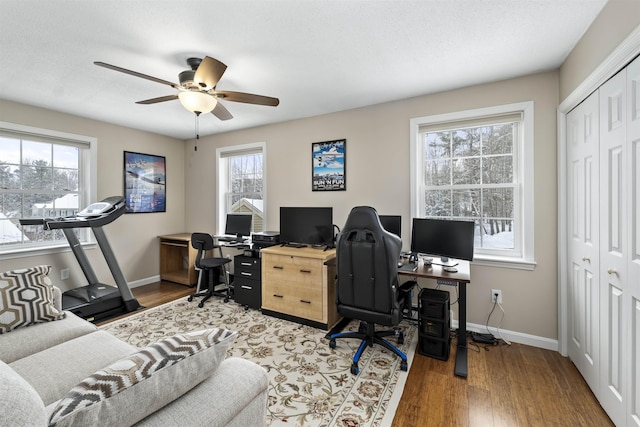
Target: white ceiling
[316,56]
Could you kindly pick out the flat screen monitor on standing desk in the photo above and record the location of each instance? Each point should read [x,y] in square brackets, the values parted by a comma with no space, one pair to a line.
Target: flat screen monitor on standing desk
[301,226]
[238,225]
[392,223]
[443,238]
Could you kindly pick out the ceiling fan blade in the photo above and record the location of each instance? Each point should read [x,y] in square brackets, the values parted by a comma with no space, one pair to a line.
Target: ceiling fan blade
[221,112]
[135,73]
[159,99]
[247,98]
[209,73]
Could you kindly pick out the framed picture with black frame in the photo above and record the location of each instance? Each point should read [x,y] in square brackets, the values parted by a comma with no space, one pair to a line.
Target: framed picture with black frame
[329,165]
[145,183]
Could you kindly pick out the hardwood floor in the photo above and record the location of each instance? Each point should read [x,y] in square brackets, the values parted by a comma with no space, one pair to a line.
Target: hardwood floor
[515,385]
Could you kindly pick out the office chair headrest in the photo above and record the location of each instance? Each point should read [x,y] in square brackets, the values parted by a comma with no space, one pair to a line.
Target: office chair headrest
[363,217]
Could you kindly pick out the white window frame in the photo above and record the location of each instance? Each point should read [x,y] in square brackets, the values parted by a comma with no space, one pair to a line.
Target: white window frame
[87,182]
[223,180]
[522,257]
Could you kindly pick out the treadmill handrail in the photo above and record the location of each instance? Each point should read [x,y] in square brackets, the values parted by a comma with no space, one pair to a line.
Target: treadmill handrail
[119,208]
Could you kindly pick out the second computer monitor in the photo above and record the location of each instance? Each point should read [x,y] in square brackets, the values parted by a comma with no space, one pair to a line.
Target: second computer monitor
[238,225]
[443,238]
[392,223]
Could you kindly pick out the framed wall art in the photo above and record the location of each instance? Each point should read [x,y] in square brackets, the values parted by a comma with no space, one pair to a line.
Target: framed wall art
[144,183]
[328,165]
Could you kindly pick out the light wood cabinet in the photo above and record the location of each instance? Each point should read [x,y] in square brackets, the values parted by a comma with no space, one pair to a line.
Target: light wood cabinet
[177,259]
[298,285]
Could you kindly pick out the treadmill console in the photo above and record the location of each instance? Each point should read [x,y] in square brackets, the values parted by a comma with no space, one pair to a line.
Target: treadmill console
[95,209]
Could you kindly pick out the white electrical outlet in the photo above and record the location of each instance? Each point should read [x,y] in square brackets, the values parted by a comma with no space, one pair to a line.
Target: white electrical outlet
[64,274]
[497,299]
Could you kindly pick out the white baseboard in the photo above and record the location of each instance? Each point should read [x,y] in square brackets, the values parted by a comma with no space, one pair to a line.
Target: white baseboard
[511,336]
[145,281]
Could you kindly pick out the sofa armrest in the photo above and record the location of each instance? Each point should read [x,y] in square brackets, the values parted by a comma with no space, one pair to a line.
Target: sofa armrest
[234,395]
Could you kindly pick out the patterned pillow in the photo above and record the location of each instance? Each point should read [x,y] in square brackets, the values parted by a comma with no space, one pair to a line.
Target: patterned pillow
[26,298]
[134,387]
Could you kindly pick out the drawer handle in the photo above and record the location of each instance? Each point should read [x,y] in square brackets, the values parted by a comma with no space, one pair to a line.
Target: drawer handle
[278,267]
[278,296]
[305,271]
[246,287]
[246,274]
[246,264]
[305,301]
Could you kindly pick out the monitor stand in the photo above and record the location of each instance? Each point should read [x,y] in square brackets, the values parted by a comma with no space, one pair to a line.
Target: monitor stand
[445,262]
[294,245]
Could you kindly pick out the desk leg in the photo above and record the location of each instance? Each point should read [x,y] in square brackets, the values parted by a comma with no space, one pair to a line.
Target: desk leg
[461,351]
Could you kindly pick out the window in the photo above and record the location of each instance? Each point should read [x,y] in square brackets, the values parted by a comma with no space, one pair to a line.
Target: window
[43,174]
[478,165]
[241,183]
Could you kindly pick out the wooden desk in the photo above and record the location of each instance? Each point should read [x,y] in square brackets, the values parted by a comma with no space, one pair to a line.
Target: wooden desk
[177,259]
[462,277]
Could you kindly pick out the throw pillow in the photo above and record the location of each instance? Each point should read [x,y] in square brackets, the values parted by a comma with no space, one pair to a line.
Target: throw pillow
[132,388]
[26,298]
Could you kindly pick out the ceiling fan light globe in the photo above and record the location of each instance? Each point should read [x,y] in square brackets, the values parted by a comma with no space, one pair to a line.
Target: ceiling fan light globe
[197,102]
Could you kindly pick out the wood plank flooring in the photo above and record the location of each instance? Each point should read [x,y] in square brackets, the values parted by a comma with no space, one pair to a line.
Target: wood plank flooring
[515,385]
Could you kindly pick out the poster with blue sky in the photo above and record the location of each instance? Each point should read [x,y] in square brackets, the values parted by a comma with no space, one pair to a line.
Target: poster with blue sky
[329,165]
[144,182]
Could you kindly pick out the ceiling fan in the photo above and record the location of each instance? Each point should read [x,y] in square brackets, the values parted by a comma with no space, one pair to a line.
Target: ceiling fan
[197,88]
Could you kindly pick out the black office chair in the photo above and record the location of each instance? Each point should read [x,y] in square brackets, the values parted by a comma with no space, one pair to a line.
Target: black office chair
[367,282]
[213,268]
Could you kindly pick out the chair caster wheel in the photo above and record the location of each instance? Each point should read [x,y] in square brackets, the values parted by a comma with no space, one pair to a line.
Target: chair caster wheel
[190,299]
[226,300]
[355,369]
[400,338]
[404,366]
[246,308]
[201,304]
[332,343]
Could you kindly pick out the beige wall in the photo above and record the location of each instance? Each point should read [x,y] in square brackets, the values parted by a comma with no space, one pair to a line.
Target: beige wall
[377,171]
[615,22]
[132,236]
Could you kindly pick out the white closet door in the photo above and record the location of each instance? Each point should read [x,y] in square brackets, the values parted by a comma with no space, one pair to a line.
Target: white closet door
[582,183]
[614,286]
[633,254]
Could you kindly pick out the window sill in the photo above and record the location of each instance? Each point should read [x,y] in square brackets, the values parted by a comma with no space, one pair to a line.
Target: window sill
[41,250]
[503,262]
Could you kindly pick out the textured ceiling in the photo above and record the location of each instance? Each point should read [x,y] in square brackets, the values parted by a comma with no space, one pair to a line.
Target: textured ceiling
[316,56]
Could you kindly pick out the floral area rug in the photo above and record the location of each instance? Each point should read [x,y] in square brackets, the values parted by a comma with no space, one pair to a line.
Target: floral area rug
[310,383]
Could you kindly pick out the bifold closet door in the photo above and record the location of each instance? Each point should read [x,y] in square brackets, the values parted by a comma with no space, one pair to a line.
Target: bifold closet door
[583,244]
[614,280]
[633,254]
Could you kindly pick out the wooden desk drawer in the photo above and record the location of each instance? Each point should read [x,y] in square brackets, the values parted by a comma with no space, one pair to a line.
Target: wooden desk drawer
[300,301]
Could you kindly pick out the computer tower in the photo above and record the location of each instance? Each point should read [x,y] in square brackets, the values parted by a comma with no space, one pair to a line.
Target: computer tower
[434,323]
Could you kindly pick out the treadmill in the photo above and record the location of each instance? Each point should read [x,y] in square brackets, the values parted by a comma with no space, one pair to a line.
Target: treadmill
[95,301]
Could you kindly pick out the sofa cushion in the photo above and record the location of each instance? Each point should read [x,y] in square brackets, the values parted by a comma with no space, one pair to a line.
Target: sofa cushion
[54,371]
[130,389]
[24,342]
[20,405]
[26,298]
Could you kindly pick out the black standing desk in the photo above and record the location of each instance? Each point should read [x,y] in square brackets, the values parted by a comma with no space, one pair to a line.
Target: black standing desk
[462,277]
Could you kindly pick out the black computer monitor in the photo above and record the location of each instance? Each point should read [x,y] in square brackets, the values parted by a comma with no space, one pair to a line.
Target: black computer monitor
[443,238]
[238,225]
[392,223]
[306,226]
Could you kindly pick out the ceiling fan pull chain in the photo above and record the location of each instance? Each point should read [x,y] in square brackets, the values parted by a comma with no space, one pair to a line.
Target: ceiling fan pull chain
[195,148]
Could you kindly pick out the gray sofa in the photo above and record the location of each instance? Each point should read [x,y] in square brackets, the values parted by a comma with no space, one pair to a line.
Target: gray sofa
[59,367]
